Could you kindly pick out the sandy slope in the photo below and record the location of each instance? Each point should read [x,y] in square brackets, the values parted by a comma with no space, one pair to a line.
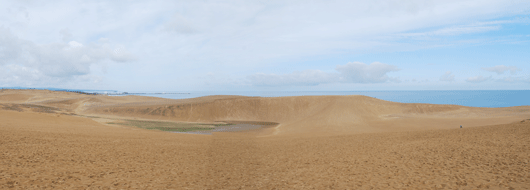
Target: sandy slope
[322,142]
[319,115]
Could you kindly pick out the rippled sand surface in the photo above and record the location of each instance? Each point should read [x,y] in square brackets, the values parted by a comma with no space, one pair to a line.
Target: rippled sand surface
[57,147]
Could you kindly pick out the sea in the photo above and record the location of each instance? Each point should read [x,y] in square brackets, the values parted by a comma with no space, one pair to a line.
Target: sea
[474,98]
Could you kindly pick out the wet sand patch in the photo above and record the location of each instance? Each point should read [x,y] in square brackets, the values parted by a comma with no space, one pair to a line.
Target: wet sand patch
[168,126]
[236,126]
[188,127]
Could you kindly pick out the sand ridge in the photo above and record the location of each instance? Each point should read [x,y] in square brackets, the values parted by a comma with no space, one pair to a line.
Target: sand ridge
[321,115]
[367,144]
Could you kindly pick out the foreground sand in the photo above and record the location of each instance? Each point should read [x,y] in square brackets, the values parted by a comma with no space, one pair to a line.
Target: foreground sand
[385,147]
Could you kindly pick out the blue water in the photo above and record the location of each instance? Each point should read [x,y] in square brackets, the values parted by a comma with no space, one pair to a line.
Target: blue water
[475,98]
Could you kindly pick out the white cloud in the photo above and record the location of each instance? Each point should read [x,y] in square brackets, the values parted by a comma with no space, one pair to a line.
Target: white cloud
[66,35]
[17,75]
[514,79]
[458,30]
[478,79]
[179,24]
[303,78]
[447,77]
[354,72]
[175,38]
[357,72]
[500,69]
[75,44]
[219,81]
[25,61]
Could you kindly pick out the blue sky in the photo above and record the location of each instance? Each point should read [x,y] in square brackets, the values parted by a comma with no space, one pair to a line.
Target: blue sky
[266,45]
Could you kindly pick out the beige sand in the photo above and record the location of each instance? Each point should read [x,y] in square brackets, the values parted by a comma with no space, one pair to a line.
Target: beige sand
[322,142]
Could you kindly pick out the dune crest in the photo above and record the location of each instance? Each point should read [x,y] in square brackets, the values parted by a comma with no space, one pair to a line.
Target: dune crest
[319,115]
[302,115]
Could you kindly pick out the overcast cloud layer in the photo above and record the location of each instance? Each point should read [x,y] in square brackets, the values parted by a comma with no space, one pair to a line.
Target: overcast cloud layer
[269,45]
[355,72]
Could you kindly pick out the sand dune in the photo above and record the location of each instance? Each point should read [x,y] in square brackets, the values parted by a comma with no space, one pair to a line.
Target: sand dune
[321,142]
[319,115]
